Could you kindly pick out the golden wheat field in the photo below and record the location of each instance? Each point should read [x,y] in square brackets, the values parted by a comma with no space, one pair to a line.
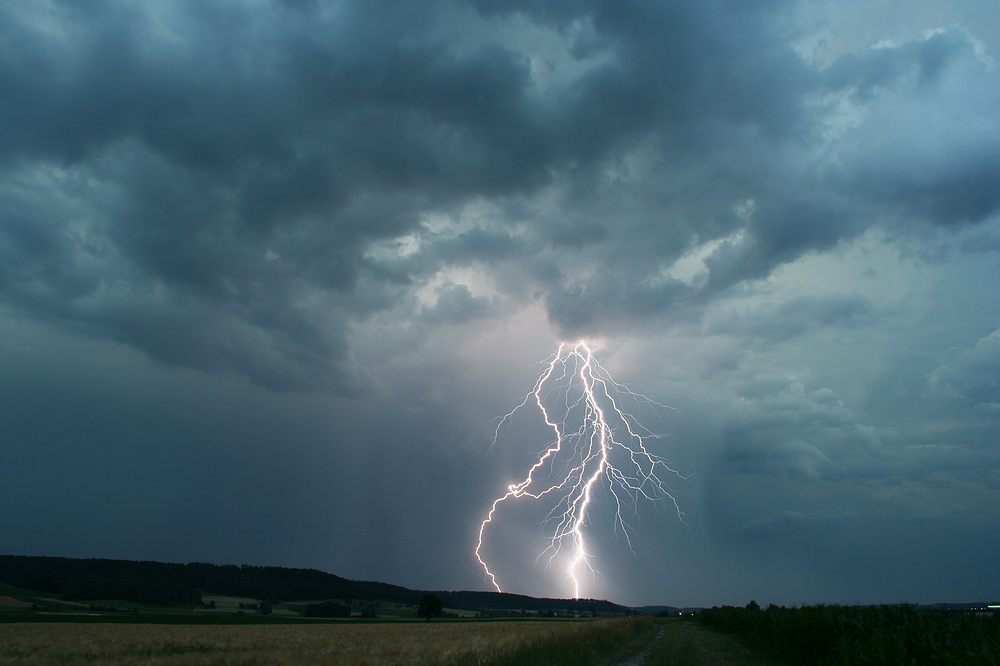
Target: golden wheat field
[349,644]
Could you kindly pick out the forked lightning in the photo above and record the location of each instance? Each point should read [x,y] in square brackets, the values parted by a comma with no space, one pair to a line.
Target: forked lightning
[596,443]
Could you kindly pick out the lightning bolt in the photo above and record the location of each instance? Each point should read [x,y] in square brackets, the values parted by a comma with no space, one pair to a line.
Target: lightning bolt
[596,443]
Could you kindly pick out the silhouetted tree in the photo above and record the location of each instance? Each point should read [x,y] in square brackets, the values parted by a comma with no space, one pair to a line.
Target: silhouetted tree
[753,605]
[430,604]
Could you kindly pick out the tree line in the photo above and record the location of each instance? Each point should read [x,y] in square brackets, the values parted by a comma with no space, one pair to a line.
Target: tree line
[172,584]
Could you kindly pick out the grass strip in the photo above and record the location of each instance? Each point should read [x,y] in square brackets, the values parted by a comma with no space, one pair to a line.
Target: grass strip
[581,643]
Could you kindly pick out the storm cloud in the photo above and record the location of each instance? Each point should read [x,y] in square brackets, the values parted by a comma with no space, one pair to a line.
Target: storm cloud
[365,222]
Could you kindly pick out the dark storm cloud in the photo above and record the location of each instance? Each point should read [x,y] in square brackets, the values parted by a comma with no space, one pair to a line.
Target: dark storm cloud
[971,375]
[922,62]
[361,223]
[224,159]
[800,205]
[475,245]
[235,157]
[758,440]
[775,323]
[941,167]
[455,305]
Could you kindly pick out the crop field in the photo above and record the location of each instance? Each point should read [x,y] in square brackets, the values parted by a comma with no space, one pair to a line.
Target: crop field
[441,643]
[852,636]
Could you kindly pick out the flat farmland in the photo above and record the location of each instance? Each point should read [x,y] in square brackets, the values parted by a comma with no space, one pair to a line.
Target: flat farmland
[348,643]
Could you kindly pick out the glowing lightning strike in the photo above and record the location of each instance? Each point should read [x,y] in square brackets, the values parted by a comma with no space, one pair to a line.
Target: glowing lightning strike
[608,446]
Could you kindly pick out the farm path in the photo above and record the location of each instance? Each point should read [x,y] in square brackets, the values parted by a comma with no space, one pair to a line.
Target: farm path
[640,657]
[687,643]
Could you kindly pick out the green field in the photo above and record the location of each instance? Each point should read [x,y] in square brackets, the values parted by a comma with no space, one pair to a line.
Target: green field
[21,605]
[42,627]
[855,635]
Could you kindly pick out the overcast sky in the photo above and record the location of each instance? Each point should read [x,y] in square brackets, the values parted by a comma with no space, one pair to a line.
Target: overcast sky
[270,270]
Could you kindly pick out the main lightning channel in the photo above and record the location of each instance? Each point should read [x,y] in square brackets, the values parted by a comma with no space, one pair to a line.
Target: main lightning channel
[596,442]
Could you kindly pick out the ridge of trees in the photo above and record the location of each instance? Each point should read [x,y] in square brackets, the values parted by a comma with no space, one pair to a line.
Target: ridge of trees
[174,584]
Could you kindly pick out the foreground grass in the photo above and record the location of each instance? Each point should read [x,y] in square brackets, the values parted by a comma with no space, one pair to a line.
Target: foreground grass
[443,644]
[853,636]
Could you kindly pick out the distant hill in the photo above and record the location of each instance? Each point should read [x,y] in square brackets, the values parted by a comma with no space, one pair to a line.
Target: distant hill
[173,584]
[656,610]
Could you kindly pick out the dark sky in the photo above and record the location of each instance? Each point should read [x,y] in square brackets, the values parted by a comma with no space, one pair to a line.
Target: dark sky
[269,271]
